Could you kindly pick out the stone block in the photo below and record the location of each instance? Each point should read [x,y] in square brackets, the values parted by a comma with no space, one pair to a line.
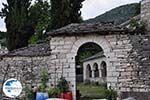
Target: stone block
[112,79]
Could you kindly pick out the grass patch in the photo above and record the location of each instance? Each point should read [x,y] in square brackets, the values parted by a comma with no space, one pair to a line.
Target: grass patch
[89,92]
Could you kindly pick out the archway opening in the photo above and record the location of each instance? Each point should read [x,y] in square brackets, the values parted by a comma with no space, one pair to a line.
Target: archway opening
[84,53]
[88,70]
[96,70]
[103,69]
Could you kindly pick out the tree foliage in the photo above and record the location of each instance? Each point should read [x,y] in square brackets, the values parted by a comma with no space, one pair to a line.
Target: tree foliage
[40,18]
[17,22]
[59,13]
[75,13]
[28,23]
[3,38]
[64,12]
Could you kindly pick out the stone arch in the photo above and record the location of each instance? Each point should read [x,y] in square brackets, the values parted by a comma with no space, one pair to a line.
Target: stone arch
[96,70]
[85,52]
[102,42]
[103,69]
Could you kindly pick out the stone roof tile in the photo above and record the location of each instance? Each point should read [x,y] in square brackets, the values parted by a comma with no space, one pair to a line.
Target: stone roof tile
[100,28]
[42,49]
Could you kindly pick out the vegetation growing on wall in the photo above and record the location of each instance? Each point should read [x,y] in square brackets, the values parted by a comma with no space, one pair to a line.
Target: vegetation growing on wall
[137,25]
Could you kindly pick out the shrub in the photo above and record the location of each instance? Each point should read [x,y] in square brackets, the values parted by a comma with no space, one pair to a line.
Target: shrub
[29,95]
[137,25]
[63,85]
[43,80]
[54,92]
[111,94]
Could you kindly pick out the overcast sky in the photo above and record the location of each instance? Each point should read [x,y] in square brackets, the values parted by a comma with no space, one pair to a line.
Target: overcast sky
[91,8]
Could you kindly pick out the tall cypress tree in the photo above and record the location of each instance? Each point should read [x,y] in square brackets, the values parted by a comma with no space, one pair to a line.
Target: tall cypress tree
[75,13]
[59,13]
[17,24]
[40,19]
[64,12]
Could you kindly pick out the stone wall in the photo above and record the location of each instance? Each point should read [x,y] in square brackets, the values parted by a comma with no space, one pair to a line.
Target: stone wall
[135,76]
[118,61]
[136,95]
[25,69]
[145,13]
[127,58]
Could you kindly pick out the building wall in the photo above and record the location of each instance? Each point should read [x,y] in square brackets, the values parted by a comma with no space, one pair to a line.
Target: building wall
[91,63]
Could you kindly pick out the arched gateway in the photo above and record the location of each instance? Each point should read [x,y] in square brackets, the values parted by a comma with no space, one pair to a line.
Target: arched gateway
[66,42]
[66,45]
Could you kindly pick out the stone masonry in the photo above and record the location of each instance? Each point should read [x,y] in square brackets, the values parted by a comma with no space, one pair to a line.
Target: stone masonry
[145,13]
[127,57]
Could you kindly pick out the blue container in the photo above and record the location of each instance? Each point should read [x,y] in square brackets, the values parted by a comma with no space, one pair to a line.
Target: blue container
[41,96]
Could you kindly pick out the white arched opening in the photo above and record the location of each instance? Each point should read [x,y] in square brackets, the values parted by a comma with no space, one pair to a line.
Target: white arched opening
[104,69]
[88,71]
[96,70]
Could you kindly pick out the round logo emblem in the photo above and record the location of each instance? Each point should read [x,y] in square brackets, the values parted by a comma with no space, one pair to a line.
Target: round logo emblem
[12,88]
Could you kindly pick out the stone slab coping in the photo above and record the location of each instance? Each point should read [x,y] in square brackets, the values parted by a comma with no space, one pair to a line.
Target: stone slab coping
[89,28]
[42,49]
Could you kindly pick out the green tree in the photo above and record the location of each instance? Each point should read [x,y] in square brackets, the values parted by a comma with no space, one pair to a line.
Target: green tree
[59,13]
[17,22]
[64,12]
[3,38]
[40,19]
[75,13]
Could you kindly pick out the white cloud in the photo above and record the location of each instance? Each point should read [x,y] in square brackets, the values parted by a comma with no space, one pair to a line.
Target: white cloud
[91,8]
[2,24]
